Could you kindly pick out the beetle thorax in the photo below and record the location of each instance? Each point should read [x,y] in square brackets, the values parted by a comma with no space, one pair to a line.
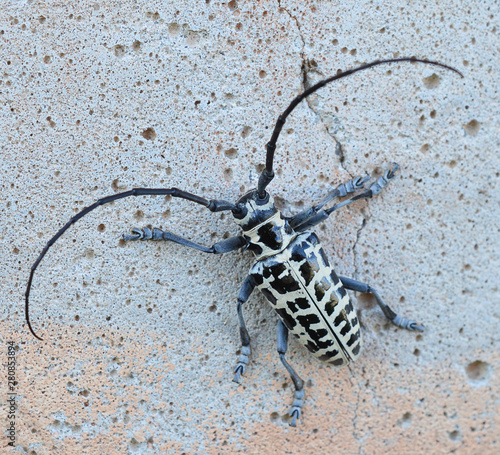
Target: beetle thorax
[264,228]
[270,237]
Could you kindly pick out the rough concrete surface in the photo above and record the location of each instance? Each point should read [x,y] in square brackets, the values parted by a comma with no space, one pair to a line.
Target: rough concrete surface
[140,339]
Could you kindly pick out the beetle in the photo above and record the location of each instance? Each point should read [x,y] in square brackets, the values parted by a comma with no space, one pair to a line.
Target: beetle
[291,268]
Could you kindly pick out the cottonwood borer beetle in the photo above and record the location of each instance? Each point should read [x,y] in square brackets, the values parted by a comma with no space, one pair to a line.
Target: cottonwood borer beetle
[291,268]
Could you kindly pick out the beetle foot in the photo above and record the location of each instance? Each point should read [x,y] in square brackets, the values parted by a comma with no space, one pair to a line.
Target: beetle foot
[241,366]
[382,181]
[144,234]
[297,407]
[352,185]
[407,324]
[136,234]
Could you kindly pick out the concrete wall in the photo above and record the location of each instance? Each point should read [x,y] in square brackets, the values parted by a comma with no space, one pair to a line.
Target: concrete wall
[140,339]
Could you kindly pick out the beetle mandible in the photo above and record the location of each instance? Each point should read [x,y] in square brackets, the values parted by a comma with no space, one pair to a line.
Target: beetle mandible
[291,268]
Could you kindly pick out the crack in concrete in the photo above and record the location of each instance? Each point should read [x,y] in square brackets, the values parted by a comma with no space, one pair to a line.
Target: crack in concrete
[358,236]
[309,66]
[298,26]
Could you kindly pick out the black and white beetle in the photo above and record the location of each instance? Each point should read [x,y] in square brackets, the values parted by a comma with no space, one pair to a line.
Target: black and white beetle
[291,268]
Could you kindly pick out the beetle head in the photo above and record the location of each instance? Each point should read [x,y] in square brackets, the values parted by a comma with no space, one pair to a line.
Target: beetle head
[253,210]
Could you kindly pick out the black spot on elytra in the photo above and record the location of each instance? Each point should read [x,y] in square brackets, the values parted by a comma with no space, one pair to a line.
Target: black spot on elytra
[297,256]
[324,344]
[334,277]
[266,272]
[287,319]
[285,284]
[355,349]
[340,318]
[308,320]
[337,362]
[324,357]
[346,329]
[349,308]
[301,303]
[313,239]
[323,256]
[313,263]
[319,292]
[353,339]
[257,277]
[328,355]
[277,269]
[311,346]
[316,335]
[320,288]
[306,272]
[341,290]
[331,304]
[303,246]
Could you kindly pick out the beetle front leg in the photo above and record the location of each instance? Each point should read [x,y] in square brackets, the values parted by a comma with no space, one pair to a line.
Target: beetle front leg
[375,188]
[400,321]
[342,190]
[297,382]
[246,290]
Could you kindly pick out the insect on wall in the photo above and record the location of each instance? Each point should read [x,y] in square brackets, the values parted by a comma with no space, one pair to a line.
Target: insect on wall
[291,268]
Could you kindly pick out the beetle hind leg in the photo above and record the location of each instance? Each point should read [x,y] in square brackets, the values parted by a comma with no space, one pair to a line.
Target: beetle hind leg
[296,409]
[396,319]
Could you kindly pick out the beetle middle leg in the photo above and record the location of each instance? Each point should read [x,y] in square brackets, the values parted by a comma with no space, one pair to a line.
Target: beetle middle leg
[297,382]
[400,321]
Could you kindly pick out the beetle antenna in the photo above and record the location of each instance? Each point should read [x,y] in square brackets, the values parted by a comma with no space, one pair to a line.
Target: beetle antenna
[267,174]
[213,205]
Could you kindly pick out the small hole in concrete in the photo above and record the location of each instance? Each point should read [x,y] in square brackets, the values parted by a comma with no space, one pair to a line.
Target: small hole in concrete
[477,370]
[472,128]
[231,153]
[432,81]
[149,134]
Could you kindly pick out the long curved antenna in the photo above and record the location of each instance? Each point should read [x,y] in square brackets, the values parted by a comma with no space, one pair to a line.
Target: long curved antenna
[213,205]
[267,174]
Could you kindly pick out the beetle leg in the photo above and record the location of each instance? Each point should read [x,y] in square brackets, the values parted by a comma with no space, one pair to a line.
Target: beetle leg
[342,190]
[246,290]
[400,321]
[298,383]
[225,246]
[375,188]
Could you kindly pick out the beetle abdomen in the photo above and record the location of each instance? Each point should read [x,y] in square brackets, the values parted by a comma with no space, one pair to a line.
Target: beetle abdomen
[310,299]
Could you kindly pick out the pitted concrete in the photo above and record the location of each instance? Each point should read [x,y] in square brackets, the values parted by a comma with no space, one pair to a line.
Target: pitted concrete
[140,339]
